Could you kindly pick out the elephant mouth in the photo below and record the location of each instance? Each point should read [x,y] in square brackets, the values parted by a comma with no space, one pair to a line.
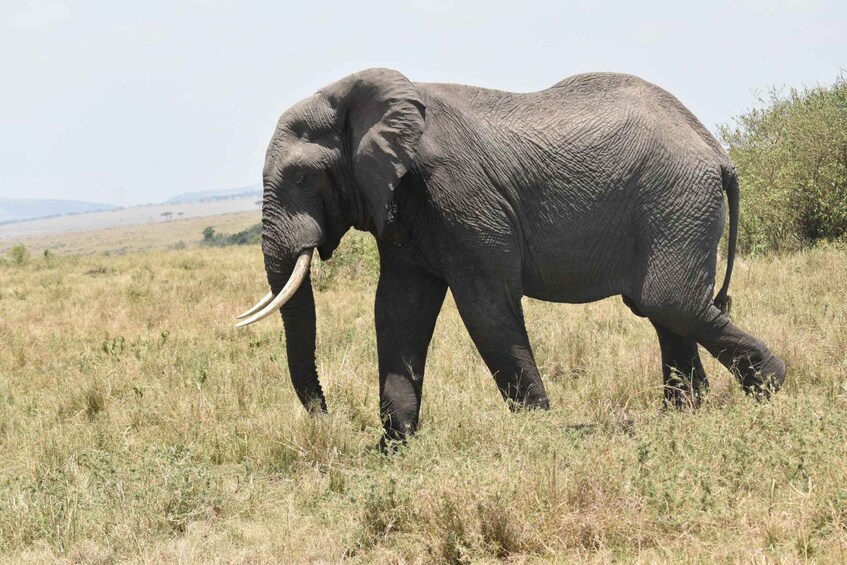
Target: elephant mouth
[328,247]
[325,252]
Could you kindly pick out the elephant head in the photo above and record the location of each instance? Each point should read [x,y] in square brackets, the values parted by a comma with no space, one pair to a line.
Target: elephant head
[333,163]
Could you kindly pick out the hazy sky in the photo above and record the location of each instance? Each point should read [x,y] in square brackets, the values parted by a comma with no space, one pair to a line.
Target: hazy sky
[134,102]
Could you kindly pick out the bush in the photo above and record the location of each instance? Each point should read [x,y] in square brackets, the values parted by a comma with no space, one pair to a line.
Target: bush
[19,254]
[251,235]
[355,260]
[49,258]
[791,156]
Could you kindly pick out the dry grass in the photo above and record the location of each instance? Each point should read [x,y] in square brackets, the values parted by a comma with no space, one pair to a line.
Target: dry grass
[136,424]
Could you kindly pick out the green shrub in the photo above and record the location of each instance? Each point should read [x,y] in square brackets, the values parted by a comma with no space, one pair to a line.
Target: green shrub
[355,260]
[19,254]
[251,235]
[791,156]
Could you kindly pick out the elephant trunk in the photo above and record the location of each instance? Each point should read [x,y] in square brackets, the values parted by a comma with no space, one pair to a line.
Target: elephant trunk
[298,317]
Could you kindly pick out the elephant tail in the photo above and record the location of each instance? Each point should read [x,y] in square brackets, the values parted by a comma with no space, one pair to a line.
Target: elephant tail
[730,184]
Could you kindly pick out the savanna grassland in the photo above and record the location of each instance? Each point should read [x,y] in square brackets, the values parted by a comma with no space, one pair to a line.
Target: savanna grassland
[180,232]
[137,425]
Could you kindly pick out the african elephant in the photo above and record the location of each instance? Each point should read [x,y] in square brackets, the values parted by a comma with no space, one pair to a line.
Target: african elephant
[603,184]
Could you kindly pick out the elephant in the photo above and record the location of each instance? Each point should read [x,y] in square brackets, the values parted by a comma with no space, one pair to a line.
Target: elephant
[602,185]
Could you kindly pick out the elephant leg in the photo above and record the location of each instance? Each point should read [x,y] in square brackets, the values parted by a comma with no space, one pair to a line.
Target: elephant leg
[685,380]
[406,308]
[496,325]
[758,370]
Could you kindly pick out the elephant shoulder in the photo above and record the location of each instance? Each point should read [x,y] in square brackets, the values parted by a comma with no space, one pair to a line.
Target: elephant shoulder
[464,96]
[595,83]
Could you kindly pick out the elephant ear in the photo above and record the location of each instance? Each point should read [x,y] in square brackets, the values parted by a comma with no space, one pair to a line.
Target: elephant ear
[383,117]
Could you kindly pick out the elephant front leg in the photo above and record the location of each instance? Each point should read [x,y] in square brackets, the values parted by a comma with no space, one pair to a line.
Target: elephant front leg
[496,325]
[406,308]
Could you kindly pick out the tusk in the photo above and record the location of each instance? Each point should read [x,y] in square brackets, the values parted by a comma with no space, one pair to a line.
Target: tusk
[298,275]
[259,305]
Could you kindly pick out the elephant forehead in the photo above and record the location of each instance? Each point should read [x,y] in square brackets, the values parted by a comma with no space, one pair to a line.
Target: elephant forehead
[311,118]
[306,136]
[290,153]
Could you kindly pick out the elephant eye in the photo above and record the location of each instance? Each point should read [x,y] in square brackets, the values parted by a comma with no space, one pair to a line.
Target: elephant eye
[301,178]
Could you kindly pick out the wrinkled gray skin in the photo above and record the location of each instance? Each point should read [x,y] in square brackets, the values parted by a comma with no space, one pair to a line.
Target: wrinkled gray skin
[600,185]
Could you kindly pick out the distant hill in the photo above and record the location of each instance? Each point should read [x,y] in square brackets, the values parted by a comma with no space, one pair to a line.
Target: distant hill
[252,191]
[19,209]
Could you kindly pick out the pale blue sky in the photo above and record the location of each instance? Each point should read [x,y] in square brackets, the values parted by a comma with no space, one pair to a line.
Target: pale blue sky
[131,103]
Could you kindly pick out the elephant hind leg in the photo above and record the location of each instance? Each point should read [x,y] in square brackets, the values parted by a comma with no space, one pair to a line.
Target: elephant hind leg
[685,381]
[758,370]
[755,367]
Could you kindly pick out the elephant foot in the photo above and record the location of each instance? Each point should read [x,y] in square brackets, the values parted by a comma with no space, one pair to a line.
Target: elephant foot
[389,446]
[396,433]
[685,391]
[761,378]
[534,402]
[760,372]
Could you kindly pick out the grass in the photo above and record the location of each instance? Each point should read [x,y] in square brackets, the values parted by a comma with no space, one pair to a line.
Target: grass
[137,425]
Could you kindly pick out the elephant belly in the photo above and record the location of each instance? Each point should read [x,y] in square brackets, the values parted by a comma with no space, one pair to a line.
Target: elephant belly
[562,285]
[589,262]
